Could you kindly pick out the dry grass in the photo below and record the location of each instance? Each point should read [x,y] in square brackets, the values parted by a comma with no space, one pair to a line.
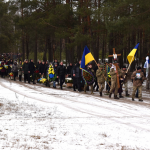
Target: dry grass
[35,137]
[127,148]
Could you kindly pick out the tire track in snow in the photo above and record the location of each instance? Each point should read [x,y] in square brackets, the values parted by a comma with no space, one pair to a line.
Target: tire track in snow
[120,111]
[126,112]
[75,109]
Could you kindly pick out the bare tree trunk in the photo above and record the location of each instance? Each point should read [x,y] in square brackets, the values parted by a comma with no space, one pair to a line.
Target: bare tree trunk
[111,46]
[79,52]
[27,47]
[103,47]
[121,51]
[45,51]
[50,53]
[35,50]
[125,52]
[141,47]
[23,49]
[60,49]
[66,52]
[133,45]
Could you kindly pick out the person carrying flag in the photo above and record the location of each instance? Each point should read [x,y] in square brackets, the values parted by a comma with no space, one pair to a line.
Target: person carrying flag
[87,57]
[91,84]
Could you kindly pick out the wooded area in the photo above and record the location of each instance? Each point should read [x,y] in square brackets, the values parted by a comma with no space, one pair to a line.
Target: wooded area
[60,29]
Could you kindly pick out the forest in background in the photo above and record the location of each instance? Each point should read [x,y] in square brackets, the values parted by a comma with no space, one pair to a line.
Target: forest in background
[60,29]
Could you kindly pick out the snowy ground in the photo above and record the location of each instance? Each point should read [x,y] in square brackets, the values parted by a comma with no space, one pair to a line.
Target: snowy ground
[39,118]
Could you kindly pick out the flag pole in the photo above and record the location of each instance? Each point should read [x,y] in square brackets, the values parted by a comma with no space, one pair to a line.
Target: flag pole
[128,68]
[103,74]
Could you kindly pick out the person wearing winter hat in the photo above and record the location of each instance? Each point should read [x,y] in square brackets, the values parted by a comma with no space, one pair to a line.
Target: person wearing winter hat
[138,78]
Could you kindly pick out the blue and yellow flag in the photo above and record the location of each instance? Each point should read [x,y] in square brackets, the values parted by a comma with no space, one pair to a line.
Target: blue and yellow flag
[132,54]
[86,57]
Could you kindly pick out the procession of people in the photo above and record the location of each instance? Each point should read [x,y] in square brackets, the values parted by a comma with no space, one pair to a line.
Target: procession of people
[105,75]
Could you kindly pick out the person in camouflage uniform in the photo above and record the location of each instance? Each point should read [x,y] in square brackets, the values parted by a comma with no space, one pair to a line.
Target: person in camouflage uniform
[114,84]
[138,78]
[100,74]
[125,75]
[86,85]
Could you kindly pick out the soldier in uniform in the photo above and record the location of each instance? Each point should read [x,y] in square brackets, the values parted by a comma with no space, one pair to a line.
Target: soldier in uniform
[125,81]
[138,78]
[114,84]
[100,74]
[86,85]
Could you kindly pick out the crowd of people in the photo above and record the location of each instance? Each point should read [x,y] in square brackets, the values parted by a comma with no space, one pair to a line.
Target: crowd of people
[103,75]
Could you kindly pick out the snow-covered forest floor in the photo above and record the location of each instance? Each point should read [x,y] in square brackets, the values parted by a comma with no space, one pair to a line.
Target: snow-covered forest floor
[34,117]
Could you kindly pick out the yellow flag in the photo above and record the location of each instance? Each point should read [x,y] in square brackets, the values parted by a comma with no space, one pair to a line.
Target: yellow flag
[132,54]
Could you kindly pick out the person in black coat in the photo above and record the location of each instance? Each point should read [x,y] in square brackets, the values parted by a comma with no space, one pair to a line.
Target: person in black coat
[96,84]
[55,62]
[42,69]
[69,69]
[31,69]
[77,75]
[61,72]
[46,67]
[10,63]
[74,78]
[38,65]
[56,70]
[25,70]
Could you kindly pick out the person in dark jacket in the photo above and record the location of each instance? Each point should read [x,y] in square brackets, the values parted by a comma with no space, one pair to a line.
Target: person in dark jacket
[56,80]
[6,70]
[74,78]
[38,65]
[69,69]
[15,70]
[31,69]
[61,72]
[55,62]
[42,69]
[25,70]
[77,75]
[96,83]
[10,63]
[20,70]
[55,70]
[46,67]
[3,69]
